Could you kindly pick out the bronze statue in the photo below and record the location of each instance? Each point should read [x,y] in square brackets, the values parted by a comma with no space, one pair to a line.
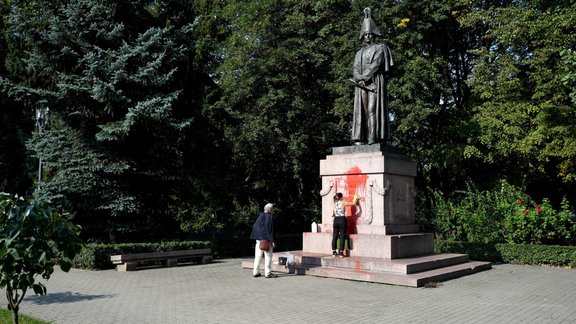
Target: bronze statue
[371,120]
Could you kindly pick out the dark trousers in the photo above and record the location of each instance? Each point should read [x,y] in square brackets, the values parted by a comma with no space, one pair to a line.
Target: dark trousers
[339,232]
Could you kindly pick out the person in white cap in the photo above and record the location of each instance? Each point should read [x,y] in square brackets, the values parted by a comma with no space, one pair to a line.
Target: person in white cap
[263,229]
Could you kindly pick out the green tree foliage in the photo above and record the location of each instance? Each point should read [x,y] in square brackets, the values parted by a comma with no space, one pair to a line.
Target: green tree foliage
[33,239]
[14,130]
[206,199]
[277,98]
[197,112]
[14,127]
[286,95]
[569,77]
[502,215]
[428,92]
[522,107]
[106,69]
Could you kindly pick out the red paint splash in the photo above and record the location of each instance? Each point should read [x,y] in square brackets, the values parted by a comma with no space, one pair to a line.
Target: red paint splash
[352,185]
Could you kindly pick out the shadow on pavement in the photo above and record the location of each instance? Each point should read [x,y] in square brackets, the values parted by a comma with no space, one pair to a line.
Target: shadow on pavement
[63,297]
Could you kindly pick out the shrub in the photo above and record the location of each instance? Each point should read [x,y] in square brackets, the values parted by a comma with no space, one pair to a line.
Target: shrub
[540,223]
[504,215]
[33,239]
[476,251]
[530,254]
[96,256]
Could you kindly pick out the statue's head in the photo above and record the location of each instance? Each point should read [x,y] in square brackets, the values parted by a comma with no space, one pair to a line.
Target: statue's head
[368,25]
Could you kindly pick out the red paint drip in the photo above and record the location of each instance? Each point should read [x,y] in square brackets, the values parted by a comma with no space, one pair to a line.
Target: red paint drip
[352,185]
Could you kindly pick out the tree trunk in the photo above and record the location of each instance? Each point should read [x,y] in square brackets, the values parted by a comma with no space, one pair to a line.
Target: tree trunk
[15,314]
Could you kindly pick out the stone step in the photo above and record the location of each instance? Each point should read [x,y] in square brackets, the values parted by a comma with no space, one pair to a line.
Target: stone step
[404,266]
[411,280]
[395,246]
[413,272]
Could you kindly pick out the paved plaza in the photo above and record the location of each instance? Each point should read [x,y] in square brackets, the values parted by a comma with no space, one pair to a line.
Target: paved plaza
[223,292]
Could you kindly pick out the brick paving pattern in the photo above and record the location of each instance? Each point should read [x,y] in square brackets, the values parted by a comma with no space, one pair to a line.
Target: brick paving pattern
[223,292]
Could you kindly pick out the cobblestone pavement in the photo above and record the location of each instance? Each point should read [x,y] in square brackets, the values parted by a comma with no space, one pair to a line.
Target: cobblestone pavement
[223,292]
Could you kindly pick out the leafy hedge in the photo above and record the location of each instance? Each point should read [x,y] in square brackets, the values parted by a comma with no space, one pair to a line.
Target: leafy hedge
[531,254]
[504,215]
[97,256]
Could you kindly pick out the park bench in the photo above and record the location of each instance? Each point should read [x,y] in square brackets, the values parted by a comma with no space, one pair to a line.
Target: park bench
[129,262]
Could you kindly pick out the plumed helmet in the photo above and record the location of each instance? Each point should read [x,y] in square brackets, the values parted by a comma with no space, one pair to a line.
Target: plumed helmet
[368,25]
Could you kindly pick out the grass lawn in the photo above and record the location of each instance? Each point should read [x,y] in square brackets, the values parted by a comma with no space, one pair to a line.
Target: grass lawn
[6,317]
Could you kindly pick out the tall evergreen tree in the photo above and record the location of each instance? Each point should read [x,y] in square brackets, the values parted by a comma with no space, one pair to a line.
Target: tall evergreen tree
[113,151]
[15,126]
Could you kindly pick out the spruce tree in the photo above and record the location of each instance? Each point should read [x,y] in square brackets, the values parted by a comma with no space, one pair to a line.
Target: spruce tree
[105,69]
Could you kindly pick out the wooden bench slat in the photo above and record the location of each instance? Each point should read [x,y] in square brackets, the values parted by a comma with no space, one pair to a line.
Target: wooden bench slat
[127,262]
[160,255]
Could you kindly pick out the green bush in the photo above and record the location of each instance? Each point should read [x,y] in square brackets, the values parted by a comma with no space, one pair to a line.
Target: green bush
[540,224]
[476,251]
[473,216]
[530,254]
[96,256]
[505,215]
[533,254]
[33,240]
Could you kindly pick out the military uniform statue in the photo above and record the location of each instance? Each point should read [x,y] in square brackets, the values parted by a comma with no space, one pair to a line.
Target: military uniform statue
[372,61]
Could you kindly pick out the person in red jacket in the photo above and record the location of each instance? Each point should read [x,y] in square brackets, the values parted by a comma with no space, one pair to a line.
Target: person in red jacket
[263,229]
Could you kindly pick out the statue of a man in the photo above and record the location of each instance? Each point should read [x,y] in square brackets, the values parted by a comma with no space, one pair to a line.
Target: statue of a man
[371,120]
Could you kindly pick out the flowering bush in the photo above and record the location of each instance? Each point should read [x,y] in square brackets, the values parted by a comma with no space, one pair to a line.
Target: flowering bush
[501,216]
[540,223]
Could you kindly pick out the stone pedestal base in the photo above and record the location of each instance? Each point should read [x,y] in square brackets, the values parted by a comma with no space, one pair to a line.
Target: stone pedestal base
[387,247]
[374,229]
[412,272]
[384,243]
[380,180]
[382,224]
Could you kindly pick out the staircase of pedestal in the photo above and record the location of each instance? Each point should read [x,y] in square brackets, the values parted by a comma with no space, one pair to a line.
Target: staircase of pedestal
[384,242]
[412,272]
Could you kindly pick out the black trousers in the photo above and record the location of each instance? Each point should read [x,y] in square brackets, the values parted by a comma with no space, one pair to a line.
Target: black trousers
[339,232]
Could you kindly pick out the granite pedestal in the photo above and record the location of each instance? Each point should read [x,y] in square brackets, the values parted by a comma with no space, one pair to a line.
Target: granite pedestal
[383,224]
[384,242]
